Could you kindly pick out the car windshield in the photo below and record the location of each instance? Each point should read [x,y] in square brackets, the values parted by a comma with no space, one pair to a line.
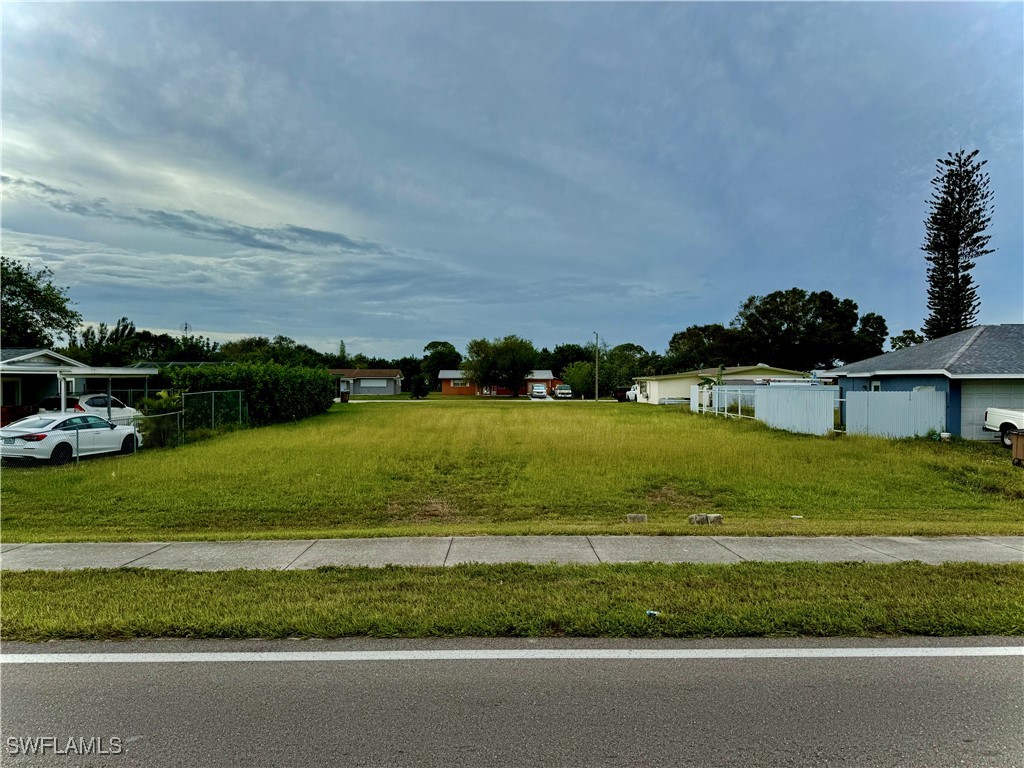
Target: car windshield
[33,422]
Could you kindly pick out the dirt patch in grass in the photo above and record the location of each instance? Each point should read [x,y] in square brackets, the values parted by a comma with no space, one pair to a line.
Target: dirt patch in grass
[426,511]
[672,496]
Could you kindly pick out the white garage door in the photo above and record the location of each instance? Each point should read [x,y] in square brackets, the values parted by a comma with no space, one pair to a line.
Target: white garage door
[976,396]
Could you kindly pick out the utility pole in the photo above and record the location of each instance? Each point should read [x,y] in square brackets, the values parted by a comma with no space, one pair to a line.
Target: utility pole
[597,362]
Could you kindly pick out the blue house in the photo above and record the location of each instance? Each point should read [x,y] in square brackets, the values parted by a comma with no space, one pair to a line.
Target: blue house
[979,368]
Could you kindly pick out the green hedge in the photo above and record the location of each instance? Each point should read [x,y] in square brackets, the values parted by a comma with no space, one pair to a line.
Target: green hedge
[273,393]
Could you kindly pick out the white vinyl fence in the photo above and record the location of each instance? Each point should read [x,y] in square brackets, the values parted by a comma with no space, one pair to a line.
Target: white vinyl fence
[736,400]
[895,414]
[807,410]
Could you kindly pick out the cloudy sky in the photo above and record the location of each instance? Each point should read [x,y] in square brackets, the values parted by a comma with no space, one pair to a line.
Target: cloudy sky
[391,173]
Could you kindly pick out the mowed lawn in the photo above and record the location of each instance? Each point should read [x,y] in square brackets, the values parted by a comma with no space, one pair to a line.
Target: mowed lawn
[497,467]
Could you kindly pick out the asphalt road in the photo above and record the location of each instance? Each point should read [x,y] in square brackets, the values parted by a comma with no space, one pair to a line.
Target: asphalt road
[874,711]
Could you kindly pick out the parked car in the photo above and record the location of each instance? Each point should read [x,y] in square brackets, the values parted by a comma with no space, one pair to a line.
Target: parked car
[539,391]
[59,438]
[562,392]
[91,403]
[1004,421]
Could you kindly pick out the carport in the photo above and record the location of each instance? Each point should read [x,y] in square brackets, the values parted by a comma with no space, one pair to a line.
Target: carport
[29,375]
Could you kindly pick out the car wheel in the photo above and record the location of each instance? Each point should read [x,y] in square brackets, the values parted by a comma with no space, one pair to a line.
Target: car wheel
[61,455]
[1004,438]
[128,445]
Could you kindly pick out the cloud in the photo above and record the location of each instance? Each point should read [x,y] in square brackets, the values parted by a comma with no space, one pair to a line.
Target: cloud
[378,171]
[191,223]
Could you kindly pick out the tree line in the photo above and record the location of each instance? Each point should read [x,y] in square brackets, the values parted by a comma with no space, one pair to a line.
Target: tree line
[795,328]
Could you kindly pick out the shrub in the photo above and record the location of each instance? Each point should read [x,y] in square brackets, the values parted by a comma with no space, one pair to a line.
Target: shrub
[273,393]
[161,426]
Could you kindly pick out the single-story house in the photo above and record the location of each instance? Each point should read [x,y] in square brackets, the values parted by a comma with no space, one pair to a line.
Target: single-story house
[455,383]
[676,386]
[368,381]
[977,368]
[29,375]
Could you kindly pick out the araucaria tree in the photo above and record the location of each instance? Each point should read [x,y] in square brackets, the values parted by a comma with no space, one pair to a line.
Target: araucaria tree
[961,210]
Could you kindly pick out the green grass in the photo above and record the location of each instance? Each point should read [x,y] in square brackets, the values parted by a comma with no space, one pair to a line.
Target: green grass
[748,599]
[496,467]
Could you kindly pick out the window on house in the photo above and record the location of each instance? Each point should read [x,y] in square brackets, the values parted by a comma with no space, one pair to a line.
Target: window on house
[876,386]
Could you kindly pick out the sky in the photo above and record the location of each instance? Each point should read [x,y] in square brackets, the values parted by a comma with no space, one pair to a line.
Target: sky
[389,174]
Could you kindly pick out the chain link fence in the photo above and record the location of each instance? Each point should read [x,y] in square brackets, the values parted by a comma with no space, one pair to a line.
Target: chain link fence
[199,412]
[210,410]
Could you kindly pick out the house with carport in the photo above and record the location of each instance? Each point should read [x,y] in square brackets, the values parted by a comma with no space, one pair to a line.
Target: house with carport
[27,376]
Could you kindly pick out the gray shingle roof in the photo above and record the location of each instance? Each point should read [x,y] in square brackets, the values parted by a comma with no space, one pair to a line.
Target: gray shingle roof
[987,350]
[9,353]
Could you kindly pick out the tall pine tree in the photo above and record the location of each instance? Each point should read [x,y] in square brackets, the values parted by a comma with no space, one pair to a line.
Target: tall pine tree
[955,237]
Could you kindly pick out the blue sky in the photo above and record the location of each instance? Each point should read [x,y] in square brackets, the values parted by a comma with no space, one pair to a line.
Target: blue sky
[391,173]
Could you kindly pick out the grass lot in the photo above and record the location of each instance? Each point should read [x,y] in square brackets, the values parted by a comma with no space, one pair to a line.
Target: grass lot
[493,467]
[747,599]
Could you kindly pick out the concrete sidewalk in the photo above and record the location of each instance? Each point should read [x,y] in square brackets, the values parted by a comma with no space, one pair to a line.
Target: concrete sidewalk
[446,551]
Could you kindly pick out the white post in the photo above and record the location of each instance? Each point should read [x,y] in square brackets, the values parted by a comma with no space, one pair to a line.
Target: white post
[597,363]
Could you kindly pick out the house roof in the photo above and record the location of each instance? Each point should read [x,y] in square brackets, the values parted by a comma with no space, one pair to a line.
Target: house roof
[987,351]
[15,352]
[45,361]
[761,369]
[366,373]
[540,375]
[26,356]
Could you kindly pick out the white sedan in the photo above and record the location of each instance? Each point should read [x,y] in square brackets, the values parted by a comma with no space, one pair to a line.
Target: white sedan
[59,438]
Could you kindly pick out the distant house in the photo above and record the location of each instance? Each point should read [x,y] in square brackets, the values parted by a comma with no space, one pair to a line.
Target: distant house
[676,386]
[29,375]
[978,368]
[455,383]
[368,381]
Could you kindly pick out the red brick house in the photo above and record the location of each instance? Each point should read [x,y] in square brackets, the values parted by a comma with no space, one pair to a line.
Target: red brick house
[454,383]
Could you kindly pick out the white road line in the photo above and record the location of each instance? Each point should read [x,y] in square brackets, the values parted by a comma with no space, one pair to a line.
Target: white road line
[506,655]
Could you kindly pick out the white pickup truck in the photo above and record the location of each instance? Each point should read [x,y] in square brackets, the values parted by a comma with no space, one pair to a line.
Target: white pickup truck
[1003,421]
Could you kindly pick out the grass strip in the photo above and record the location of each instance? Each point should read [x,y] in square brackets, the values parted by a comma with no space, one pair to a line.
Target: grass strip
[517,600]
